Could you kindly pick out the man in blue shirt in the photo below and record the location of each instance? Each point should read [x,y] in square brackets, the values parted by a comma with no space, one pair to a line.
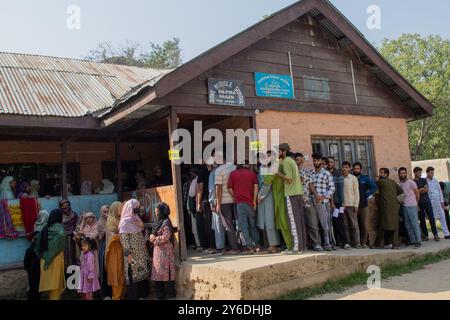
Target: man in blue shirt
[367,188]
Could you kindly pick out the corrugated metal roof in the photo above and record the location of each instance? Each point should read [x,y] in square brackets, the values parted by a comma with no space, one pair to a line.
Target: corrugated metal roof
[52,86]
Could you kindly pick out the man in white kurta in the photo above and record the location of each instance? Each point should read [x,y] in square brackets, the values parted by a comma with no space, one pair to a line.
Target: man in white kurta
[437,200]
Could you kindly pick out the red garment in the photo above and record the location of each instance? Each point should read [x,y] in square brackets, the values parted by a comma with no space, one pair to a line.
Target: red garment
[243,181]
[29,208]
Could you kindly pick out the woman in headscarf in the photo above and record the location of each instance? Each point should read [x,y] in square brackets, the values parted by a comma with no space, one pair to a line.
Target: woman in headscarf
[101,227]
[114,252]
[137,261]
[23,190]
[70,219]
[50,246]
[41,221]
[86,187]
[7,188]
[163,265]
[106,187]
[31,261]
[34,189]
[89,228]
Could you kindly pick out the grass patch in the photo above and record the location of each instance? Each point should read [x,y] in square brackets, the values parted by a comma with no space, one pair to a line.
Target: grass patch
[360,278]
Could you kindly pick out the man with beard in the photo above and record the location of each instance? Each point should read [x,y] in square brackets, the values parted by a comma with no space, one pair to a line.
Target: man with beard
[409,207]
[70,219]
[366,219]
[293,192]
[425,207]
[312,224]
[437,200]
[389,209]
[324,188]
[338,204]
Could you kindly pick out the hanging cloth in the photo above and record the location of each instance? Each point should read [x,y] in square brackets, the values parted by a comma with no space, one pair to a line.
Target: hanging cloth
[7,229]
[30,211]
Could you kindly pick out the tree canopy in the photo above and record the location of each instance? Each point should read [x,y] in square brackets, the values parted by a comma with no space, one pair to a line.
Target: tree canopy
[424,62]
[161,56]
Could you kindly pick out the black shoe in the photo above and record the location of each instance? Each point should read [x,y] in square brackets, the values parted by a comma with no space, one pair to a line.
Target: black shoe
[436,238]
[447,237]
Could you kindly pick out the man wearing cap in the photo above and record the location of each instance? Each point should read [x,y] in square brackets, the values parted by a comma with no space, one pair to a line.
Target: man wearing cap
[293,192]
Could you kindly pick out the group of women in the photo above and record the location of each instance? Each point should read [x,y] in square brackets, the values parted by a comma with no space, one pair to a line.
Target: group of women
[117,248]
[10,189]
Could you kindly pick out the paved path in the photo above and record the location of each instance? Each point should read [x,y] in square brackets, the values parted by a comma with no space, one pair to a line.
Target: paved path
[430,283]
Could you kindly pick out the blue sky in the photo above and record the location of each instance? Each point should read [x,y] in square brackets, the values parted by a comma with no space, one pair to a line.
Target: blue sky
[39,26]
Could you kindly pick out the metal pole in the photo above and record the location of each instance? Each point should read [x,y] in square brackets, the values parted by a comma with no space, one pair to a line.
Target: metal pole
[118,169]
[64,167]
[292,74]
[354,83]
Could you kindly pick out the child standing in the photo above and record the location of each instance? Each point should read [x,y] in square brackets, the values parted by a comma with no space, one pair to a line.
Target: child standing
[88,277]
[163,271]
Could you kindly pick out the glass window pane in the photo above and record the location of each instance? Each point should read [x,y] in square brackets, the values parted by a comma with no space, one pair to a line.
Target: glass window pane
[333,149]
[348,156]
[317,147]
[363,157]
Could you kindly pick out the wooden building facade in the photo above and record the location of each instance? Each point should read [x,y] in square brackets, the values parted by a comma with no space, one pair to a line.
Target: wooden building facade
[343,99]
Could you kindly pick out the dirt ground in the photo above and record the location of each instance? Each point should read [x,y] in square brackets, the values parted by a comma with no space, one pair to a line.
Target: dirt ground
[430,283]
[13,284]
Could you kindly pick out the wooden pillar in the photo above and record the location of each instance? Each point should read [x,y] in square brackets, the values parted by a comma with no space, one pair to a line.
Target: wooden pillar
[119,169]
[64,167]
[176,178]
[253,153]
[252,122]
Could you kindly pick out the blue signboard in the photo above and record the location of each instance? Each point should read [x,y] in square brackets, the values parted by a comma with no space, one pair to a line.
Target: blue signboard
[274,85]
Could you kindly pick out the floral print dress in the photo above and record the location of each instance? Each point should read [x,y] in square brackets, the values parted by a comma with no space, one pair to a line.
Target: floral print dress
[163,255]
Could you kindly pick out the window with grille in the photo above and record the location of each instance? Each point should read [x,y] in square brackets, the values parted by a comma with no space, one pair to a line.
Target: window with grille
[344,149]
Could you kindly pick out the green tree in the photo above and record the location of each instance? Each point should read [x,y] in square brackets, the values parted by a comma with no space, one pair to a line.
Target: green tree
[165,56]
[425,63]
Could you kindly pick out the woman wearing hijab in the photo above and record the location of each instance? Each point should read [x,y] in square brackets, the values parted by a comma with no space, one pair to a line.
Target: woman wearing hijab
[89,229]
[41,221]
[7,229]
[50,246]
[86,187]
[70,219]
[163,266]
[101,227]
[34,189]
[114,252]
[8,188]
[137,261]
[31,261]
[106,187]
[23,191]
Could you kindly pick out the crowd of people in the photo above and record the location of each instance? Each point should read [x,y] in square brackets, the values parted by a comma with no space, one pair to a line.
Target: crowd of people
[11,189]
[117,255]
[276,206]
[246,208]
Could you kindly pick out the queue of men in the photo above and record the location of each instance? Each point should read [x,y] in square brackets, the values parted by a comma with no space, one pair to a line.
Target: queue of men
[246,208]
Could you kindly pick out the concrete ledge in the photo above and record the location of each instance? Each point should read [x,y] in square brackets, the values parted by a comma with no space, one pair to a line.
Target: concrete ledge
[269,276]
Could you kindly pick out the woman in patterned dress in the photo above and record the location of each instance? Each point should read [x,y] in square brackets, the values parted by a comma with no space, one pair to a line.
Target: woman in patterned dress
[162,238]
[136,258]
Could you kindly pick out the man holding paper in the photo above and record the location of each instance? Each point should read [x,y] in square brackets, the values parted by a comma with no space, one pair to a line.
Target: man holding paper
[351,203]
[337,204]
